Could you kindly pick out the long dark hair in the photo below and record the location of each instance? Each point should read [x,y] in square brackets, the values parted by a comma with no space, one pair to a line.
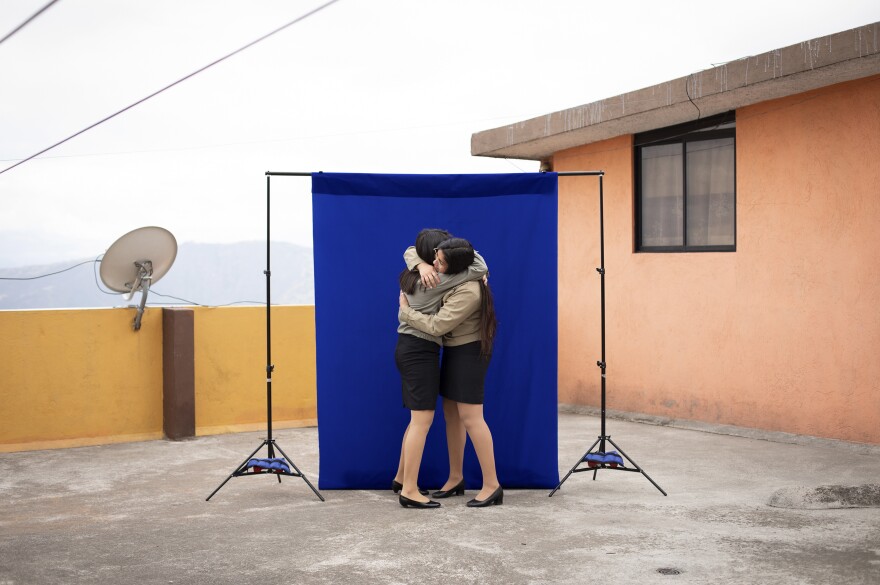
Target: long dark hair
[459,255]
[427,240]
[488,321]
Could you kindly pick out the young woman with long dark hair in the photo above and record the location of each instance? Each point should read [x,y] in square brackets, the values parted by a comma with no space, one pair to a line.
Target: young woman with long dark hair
[466,322]
[418,356]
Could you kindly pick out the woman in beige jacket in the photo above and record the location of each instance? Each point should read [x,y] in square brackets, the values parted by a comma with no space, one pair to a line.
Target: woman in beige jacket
[466,322]
[418,358]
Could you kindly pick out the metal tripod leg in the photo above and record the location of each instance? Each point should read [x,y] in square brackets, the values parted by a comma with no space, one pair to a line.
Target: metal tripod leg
[635,467]
[272,446]
[300,473]
[237,470]
[570,471]
[271,451]
[642,471]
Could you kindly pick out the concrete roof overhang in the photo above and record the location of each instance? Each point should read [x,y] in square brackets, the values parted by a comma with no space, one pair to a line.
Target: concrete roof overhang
[812,64]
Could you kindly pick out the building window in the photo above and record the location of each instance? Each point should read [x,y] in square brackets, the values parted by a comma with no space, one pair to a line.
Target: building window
[686,187]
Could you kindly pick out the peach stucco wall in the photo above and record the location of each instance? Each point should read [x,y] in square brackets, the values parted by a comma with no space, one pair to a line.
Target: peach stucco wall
[784,333]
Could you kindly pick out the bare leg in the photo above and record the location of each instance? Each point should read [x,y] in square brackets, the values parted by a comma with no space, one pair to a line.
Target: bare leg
[456,436]
[399,476]
[472,417]
[419,424]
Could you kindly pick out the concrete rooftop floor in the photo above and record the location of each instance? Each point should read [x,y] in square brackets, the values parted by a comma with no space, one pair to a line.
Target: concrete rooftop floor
[136,513]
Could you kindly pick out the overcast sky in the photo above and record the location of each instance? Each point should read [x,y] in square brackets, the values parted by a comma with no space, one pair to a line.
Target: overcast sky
[392,86]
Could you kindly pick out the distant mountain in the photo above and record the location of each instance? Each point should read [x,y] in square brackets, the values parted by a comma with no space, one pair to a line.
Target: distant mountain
[205,274]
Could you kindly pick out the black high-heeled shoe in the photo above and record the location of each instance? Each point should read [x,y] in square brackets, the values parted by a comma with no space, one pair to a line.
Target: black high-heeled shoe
[407,503]
[496,499]
[458,490]
[396,486]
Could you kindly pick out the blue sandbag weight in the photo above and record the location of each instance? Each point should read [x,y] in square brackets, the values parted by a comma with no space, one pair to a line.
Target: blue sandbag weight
[275,463]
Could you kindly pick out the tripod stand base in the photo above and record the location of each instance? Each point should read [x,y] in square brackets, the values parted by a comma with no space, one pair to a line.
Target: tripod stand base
[242,470]
[595,466]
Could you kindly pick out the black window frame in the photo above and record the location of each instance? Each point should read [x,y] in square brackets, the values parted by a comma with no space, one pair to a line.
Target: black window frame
[711,128]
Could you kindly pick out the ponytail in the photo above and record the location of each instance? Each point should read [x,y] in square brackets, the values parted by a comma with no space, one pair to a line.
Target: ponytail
[488,322]
[409,280]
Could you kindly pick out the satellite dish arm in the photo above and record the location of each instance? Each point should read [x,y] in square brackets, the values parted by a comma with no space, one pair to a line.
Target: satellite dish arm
[145,288]
[133,287]
[145,276]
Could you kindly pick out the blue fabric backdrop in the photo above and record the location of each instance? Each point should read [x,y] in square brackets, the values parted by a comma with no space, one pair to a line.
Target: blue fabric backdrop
[362,225]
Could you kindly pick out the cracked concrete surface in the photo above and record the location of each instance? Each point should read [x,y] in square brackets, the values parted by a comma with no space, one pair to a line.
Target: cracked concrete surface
[827,497]
[136,513]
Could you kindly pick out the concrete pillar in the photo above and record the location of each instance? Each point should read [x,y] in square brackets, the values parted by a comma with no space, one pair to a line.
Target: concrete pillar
[178,374]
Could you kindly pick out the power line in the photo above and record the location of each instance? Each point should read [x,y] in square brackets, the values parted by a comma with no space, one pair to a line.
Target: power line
[98,258]
[25,23]
[97,261]
[182,79]
[50,274]
[153,291]
[688,92]
[176,298]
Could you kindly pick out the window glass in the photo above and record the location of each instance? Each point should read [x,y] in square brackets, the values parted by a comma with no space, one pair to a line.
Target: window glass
[662,195]
[686,186]
[710,195]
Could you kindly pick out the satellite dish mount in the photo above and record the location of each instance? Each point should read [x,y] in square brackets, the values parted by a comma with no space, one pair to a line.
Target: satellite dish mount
[142,283]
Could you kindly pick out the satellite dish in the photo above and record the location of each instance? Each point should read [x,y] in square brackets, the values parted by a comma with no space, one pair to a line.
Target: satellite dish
[136,260]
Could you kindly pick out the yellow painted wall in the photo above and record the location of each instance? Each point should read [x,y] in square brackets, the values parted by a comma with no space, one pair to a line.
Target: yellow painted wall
[83,377]
[782,334]
[79,377]
[230,368]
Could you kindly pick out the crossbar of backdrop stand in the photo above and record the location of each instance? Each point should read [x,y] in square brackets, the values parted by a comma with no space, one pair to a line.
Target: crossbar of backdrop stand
[563,174]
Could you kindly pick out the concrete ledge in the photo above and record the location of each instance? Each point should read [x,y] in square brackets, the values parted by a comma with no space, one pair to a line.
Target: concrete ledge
[253,427]
[78,442]
[719,429]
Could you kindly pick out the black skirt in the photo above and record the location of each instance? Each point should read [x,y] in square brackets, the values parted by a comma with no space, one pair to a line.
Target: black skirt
[418,361]
[463,373]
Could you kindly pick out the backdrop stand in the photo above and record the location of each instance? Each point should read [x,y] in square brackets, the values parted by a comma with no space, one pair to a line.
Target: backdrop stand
[275,465]
[601,459]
